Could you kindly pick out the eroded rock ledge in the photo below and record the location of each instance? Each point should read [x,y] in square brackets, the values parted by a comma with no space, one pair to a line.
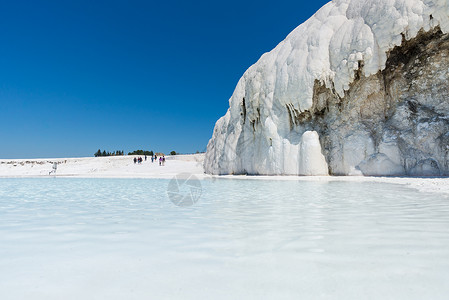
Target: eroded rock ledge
[395,122]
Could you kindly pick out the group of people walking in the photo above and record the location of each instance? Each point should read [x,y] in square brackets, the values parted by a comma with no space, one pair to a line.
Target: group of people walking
[139,160]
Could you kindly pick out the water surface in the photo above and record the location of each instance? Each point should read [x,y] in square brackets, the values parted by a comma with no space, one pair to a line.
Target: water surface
[243,239]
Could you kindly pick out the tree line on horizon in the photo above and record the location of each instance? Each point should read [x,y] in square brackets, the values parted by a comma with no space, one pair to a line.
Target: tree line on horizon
[141,152]
[121,153]
[100,153]
[107,153]
[149,153]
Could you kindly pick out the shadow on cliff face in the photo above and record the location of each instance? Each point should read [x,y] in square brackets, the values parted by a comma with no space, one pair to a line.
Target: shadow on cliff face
[395,122]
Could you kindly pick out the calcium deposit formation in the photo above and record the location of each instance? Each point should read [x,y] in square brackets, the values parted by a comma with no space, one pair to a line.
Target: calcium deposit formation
[361,88]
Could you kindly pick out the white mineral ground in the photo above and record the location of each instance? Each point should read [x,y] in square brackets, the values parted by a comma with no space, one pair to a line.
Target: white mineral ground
[124,167]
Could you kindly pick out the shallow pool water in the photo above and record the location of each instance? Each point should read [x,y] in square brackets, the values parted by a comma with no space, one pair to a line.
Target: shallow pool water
[243,239]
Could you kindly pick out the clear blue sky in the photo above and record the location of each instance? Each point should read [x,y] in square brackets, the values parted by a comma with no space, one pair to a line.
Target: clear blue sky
[76,76]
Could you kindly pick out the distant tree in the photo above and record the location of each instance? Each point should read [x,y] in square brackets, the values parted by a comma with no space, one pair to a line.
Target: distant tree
[141,152]
[108,153]
[173,153]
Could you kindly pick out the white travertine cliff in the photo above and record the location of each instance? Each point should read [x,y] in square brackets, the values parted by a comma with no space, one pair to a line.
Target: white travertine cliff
[361,88]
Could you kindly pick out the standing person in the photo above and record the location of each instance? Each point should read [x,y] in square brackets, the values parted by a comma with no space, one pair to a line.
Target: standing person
[152,158]
[163,160]
[160,161]
[135,160]
[145,157]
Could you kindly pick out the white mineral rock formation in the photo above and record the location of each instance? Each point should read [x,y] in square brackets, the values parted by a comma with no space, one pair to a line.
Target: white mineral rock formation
[358,89]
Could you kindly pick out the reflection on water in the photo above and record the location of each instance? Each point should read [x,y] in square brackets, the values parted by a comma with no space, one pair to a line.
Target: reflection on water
[123,238]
